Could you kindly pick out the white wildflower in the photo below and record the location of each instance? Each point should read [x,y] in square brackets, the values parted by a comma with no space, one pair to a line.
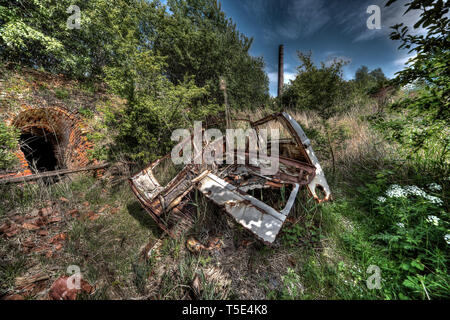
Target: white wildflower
[415,191]
[447,238]
[434,187]
[381,199]
[433,219]
[395,191]
[401,225]
[434,200]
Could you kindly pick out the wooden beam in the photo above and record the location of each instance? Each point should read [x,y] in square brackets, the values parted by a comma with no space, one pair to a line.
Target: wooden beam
[51,174]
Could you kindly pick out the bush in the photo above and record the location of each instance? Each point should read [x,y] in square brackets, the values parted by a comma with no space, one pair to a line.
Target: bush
[9,137]
[410,231]
[316,88]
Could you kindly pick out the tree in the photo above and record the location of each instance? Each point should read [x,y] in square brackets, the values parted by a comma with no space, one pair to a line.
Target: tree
[316,88]
[425,127]
[362,76]
[372,81]
[199,40]
[432,54]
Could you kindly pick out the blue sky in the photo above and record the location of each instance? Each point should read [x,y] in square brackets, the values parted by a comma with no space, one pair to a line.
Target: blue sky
[330,28]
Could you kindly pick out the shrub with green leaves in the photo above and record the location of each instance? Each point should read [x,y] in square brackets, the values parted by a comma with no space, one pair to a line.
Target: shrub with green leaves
[410,231]
[9,137]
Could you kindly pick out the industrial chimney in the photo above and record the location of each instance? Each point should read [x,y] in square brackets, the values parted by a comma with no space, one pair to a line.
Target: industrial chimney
[280,69]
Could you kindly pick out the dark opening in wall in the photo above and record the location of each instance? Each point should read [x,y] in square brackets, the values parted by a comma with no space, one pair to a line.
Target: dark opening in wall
[39,151]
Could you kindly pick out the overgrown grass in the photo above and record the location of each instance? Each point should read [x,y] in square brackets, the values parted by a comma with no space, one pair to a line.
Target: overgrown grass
[323,252]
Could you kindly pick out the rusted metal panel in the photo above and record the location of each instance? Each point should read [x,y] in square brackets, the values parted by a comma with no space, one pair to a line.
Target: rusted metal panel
[262,220]
[227,185]
[319,180]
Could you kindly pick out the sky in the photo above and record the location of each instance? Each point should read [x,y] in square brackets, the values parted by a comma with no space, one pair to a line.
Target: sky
[329,28]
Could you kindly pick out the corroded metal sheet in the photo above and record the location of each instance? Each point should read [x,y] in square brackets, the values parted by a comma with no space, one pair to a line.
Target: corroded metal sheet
[319,180]
[227,185]
[264,221]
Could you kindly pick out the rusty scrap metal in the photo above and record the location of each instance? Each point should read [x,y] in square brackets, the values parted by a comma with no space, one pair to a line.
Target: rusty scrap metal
[228,185]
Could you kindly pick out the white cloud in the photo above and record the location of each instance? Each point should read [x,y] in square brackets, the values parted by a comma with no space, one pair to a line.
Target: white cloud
[288,76]
[403,61]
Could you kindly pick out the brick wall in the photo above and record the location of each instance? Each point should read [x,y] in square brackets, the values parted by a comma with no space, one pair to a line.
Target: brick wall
[67,132]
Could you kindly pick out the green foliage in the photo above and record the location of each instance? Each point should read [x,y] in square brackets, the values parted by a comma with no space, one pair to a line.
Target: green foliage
[430,64]
[145,127]
[371,81]
[419,121]
[199,40]
[165,63]
[308,235]
[410,227]
[422,137]
[9,137]
[27,35]
[293,234]
[316,88]
[195,38]
[292,287]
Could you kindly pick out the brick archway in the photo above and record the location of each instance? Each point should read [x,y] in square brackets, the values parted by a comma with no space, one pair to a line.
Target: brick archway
[61,129]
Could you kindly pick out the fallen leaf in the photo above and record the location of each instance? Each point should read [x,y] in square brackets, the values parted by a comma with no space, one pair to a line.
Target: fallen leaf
[64,199]
[28,244]
[45,211]
[58,238]
[93,216]
[30,226]
[246,243]
[60,289]
[194,246]
[58,247]
[41,221]
[215,244]
[55,219]
[196,287]
[4,227]
[43,233]
[73,213]
[34,288]
[103,208]
[11,233]
[13,297]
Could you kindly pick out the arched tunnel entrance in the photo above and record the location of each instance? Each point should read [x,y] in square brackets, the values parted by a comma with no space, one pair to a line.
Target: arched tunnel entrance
[51,138]
[39,151]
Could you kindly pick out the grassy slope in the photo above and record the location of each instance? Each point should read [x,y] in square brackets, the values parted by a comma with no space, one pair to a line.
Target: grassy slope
[323,253]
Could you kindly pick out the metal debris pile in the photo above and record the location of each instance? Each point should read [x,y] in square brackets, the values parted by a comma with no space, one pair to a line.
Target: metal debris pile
[229,186]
